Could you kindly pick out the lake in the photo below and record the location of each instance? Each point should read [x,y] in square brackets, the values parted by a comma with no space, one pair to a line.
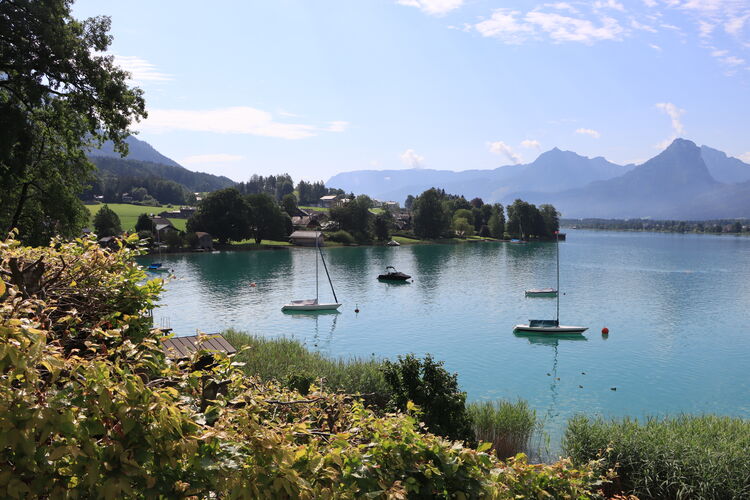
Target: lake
[676,306]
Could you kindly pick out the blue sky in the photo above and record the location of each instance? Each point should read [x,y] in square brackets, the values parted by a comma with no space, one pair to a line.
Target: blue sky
[317,87]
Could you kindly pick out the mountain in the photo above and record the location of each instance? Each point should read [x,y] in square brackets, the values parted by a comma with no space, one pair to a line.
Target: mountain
[553,170]
[676,183]
[137,150]
[144,161]
[725,168]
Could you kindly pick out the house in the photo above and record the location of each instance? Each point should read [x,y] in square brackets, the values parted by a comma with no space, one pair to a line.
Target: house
[109,242]
[182,213]
[328,201]
[126,198]
[306,222]
[162,226]
[205,241]
[393,206]
[306,238]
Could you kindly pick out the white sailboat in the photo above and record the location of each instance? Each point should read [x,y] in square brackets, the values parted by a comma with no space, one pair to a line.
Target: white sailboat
[314,304]
[551,326]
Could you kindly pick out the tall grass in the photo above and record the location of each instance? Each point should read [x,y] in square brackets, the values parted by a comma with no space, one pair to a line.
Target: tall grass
[705,457]
[507,425]
[283,359]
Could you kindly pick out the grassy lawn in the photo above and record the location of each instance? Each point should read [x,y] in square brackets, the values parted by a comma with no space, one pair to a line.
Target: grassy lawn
[128,214]
[263,243]
[407,241]
[314,209]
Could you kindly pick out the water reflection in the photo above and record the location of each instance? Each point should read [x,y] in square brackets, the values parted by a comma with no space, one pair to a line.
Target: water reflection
[320,343]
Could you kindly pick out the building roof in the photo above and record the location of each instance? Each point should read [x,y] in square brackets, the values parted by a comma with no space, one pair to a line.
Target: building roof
[159,227]
[201,234]
[184,347]
[306,234]
[330,197]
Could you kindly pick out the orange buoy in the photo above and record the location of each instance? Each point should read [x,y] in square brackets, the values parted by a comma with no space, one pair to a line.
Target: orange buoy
[605,331]
[356,308]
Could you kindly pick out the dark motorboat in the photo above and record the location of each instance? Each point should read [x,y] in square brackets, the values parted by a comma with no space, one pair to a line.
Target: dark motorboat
[392,275]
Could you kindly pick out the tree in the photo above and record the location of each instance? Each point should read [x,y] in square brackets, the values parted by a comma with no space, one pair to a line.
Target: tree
[289,202]
[409,202]
[496,223]
[355,217]
[107,222]
[144,223]
[382,225]
[551,219]
[268,222]
[431,387]
[462,227]
[430,218]
[58,94]
[225,214]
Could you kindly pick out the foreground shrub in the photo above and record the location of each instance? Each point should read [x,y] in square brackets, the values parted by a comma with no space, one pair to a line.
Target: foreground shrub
[90,407]
[435,390]
[678,457]
[507,426]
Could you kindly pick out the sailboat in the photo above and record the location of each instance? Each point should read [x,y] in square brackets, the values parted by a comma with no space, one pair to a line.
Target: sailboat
[314,304]
[551,326]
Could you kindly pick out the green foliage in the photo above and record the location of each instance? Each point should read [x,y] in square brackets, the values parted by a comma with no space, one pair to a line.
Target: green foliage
[508,426]
[431,220]
[289,204]
[434,390]
[144,223]
[225,214]
[496,222]
[106,222]
[58,94]
[525,220]
[342,236]
[382,225]
[462,227]
[90,407]
[268,222]
[355,217]
[677,457]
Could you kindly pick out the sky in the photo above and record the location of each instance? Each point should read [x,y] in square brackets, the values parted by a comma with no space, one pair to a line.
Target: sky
[317,87]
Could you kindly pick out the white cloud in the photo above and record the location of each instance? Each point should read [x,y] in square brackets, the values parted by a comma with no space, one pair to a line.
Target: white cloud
[650,3]
[531,144]
[745,157]
[561,6]
[609,4]
[504,25]
[412,159]
[141,71]
[433,7]
[588,131]
[212,158]
[733,61]
[674,114]
[500,148]
[643,27]
[337,126]
[705,28]
[511,27]
[234,120]
[735,24]
[655,47]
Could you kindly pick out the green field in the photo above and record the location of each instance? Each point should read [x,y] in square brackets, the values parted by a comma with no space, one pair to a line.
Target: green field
[128,214]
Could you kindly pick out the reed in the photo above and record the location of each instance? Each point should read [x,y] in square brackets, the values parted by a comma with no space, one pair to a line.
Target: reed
[507,425]
[676,457]
[285,359]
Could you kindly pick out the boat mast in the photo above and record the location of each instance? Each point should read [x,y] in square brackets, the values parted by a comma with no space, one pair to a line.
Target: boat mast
[316,268]
[557,245]
[320,250]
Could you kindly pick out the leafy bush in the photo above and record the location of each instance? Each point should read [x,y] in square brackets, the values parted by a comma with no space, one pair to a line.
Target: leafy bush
[427,384]
[508,426]
[342,237]
[90,407]
[678,457]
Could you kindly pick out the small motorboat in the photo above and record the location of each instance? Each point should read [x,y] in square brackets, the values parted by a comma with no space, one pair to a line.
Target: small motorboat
[156,267]
[392,275]
[541,292]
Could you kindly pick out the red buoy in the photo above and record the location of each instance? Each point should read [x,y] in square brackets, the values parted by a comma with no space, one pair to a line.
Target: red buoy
[605,331]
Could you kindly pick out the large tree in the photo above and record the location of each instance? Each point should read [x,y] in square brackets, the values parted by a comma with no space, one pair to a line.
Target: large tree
[430,217]
[107,222]
[224,214]
[355,217]
[268,221]
[59,93]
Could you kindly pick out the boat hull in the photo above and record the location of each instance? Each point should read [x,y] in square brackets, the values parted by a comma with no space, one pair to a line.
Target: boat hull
[310,307]
[544,292]
[562,329]
[394,277]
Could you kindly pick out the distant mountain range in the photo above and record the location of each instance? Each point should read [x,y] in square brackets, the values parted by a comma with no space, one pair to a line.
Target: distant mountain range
[684,181]
[145,161]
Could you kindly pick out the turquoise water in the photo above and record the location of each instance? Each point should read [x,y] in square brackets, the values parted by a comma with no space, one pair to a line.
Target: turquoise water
[676,307]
